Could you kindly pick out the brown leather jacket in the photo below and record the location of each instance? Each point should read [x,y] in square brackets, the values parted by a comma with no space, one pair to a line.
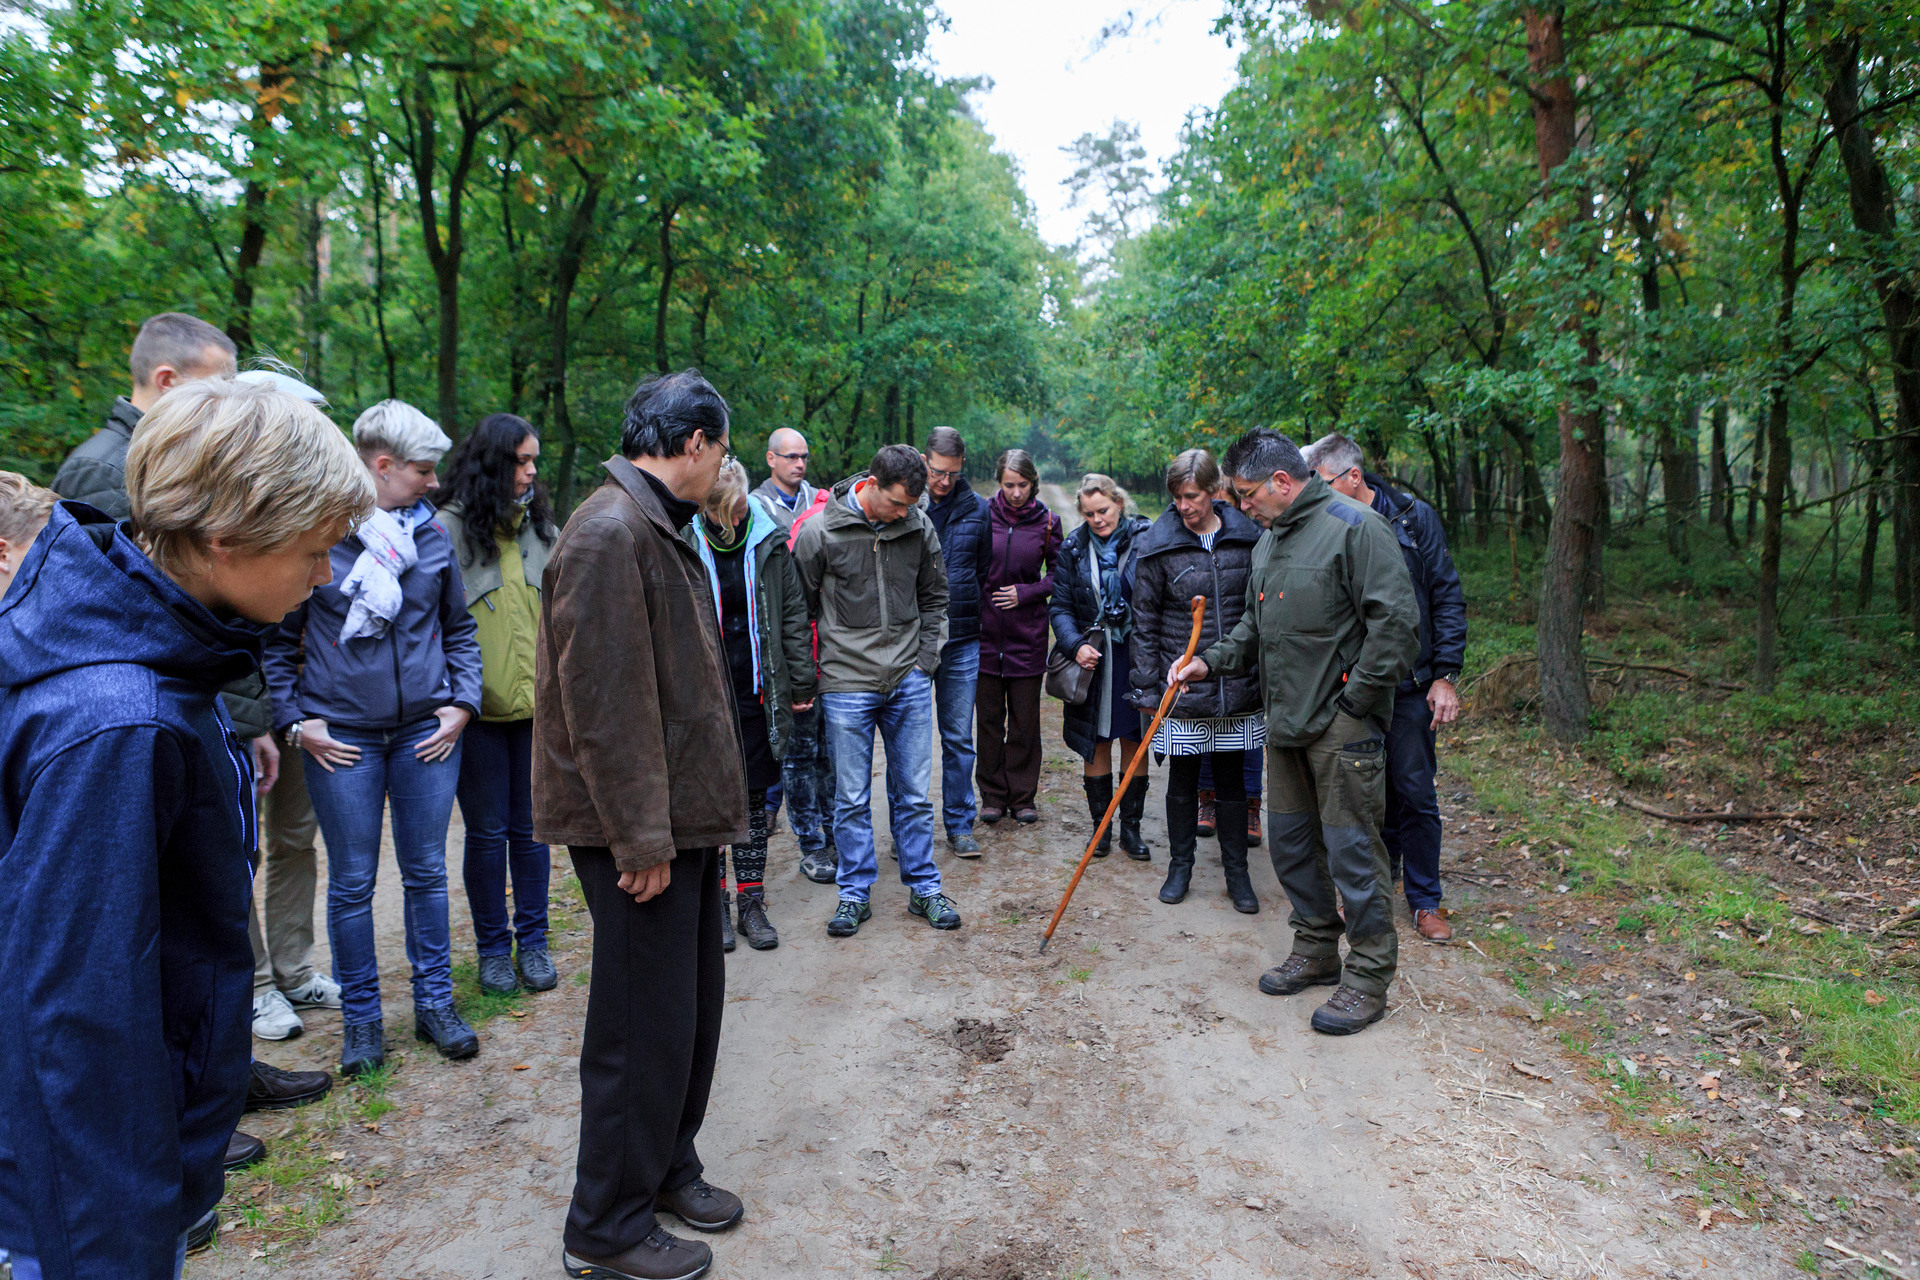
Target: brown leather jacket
[635,743]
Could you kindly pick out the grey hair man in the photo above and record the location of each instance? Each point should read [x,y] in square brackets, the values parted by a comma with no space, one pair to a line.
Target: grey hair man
[171,348]
[1331,624]
[785,490]
[1426,698]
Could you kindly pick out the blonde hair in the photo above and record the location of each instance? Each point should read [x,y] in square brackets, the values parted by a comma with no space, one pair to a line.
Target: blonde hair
[241,462]
[727,497]
[24,508]
[399,430]
[1093,482]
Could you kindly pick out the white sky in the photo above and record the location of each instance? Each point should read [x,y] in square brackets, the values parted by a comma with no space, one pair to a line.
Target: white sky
[1050,86]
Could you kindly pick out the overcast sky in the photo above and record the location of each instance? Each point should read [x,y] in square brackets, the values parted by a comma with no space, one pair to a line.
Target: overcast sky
[1054,82]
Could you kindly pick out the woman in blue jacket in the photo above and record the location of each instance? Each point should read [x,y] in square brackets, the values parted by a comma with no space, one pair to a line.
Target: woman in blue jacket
[126,824]
[392,677]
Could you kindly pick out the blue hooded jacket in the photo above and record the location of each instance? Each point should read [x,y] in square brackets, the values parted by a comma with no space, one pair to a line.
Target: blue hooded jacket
[126,821]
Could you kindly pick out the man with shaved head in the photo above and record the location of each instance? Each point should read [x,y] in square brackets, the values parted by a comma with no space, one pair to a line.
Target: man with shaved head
[786,491]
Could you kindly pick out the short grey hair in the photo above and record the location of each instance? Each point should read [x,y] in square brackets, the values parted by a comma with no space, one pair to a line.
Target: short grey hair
[1334,452]
[399,430]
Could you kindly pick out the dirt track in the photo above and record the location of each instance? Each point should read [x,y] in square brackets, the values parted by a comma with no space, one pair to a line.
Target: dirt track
[956,1105]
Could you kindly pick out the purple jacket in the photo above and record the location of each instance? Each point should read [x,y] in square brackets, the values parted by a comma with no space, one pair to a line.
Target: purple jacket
[1013,642]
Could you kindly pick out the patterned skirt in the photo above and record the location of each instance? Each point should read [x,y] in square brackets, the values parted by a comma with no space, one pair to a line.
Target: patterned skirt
[1177,737]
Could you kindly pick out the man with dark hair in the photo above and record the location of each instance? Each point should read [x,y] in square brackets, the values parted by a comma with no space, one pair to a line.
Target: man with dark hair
[638,771]
[870,563]
[1331,625]
[959,517]
[171,348]
[1426,699]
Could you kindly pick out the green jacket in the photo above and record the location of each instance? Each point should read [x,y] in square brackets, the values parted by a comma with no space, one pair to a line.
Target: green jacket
[1331,617]
[879,595]
[779,615]
[503,596]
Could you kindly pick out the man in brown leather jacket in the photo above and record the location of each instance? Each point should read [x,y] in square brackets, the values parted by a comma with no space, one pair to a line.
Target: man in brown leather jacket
[637,769]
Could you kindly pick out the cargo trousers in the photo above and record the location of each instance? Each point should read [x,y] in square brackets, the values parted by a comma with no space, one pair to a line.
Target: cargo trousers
[1326,803]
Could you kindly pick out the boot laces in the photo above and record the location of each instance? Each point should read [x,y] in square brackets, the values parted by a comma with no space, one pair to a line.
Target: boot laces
[1346,999]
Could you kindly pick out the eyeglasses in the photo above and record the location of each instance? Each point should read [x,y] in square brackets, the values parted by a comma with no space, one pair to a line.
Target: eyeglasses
[945,474]
[794,457]
[1248,495]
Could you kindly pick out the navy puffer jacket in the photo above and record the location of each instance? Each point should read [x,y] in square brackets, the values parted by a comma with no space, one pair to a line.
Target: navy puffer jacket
[967,546]
[1443,605]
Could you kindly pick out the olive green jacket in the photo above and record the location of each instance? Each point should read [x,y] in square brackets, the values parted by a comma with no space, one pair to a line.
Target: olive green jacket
[1332,619]
[780,616]
[503,597]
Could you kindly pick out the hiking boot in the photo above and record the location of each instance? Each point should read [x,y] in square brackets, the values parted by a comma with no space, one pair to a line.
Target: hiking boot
[754,923]
[1203,826]
[1099,797]
[1026,815]
[536,970]
[1253,823]
[964,845]
[1348,1010]
[450,1035]
[726,923]
[1431,925]
[274,1018]
[1297,972]
[1133,806]
[201,1233]
[271,1089]
[660,1256]
[317,992]
[363,1047]
[702,1206]
[991,815]
[848,917]
[936,908]
[497,977]
[821,865]
[243,1151]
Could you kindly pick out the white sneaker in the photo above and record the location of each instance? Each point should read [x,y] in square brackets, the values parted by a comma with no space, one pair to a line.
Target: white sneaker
[274,1018]
[317,992]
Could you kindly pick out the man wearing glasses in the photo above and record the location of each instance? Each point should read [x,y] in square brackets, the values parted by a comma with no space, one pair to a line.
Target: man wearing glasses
[785,490]
[1332,623]
[959,516]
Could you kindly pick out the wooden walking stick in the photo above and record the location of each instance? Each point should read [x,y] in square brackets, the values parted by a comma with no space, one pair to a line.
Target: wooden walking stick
[1126,779]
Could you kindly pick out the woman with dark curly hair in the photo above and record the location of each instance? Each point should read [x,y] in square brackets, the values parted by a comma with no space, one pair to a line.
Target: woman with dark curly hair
[496,512]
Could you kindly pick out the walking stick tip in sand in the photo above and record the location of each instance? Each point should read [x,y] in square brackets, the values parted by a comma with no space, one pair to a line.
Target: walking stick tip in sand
[1166,704]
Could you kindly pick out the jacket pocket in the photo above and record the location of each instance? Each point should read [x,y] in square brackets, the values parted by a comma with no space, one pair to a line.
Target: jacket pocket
[853,594]
[1303,601]
[901,574]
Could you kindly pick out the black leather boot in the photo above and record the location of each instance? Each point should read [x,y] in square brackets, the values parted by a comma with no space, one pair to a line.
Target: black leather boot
[1183,826]
[1133,807]
[1230,824]
[1099,796]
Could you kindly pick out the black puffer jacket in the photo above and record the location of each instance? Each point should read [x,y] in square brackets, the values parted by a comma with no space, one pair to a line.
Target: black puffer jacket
[966,545]
[1173,569]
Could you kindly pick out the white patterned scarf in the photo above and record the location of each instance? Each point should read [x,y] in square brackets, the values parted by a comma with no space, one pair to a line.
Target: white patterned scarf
[374,585]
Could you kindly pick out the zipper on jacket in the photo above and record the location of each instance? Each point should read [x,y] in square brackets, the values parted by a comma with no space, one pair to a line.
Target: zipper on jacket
[1219,632]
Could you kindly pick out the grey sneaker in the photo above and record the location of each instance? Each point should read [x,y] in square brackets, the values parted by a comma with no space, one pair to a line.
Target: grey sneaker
[936,908]
[496,976]
[274,1018]
[964,845]
[848,918]
[1348,1010]
[822,866]
[536,970]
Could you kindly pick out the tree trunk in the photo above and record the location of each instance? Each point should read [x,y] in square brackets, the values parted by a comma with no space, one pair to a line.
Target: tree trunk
[700,314]
[1563,667]
[566,273]
[253,244]
[1719,475]
[667,267]
[1870,539]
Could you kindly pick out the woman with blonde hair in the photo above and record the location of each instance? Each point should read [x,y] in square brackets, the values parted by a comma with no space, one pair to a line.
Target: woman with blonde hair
[763,623]
[1092,615]
[124,881]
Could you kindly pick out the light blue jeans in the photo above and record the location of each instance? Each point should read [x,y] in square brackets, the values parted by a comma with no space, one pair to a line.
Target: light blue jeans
[954,686]
[904,719]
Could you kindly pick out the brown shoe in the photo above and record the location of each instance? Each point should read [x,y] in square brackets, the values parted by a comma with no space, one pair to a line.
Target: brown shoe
[1297,972]
[702,1206]
[1253,827]
[660,1256]
[1348,1010]
[1204,829]
[1432,926]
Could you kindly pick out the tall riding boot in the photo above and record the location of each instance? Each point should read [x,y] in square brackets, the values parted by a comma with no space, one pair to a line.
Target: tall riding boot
[1133,807]
[1182,832]
[1230,818]
[1099,796]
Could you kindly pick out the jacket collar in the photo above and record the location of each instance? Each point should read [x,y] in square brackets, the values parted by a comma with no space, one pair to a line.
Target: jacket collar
[634,484]
[123,417]
[1170,532]
[839,515]
[1317,494]
[1387,500]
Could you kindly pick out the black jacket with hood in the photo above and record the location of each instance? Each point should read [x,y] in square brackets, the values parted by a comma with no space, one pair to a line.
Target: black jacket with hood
[1172,569]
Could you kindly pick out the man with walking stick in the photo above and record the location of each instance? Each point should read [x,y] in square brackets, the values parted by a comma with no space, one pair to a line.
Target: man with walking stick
[1332,624]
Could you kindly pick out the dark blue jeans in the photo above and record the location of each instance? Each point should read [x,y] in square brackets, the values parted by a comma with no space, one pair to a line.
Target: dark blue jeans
[349,803]
[806,771]
[954,685]
[496,804]
[1412,828]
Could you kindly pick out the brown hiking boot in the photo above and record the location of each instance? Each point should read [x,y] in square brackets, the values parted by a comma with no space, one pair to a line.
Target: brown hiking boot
[1432,926]
[1297,972]
[1253,826]
[1204,829]
[1348,1010]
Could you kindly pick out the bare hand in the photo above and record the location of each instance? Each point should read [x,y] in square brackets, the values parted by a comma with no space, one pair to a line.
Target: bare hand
[1088,657]
[318,743]
[440,743]
[650,883]
[266,763]
[798,707]
[1444,701]
[1006,598]
[1194,669]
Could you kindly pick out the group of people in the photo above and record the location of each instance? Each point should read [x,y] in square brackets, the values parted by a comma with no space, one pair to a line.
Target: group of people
[239,630]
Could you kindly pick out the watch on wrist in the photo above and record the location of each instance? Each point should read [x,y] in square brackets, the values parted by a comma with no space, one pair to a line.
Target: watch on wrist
[293,735]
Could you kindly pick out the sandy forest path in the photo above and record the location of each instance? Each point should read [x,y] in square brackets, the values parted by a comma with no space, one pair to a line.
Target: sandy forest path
[956,1105]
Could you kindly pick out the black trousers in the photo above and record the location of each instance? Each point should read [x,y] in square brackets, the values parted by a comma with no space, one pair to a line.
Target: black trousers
[653,1032]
